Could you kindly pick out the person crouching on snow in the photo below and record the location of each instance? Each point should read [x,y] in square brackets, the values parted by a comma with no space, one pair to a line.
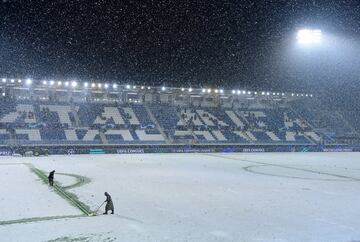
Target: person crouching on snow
[109,204]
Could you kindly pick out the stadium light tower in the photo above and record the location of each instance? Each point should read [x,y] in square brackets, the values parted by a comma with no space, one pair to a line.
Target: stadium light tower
[309,36]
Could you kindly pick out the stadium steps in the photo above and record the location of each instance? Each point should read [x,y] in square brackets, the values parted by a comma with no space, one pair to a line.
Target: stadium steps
[308,123]
[103,137]
[76,117]
[190,130]
[12,136]
[339,114]
[157,125]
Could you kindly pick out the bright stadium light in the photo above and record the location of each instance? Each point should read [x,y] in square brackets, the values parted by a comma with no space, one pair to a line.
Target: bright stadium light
[221,91]
[216,91]
[238,92]
[74,84]
[106,86]
[182,89]
[209,90]
[309,36]
[134,87]
[243,92]
[93,85]
[190,89]
[99,85]
[19,81]
[28,81]
[255,93]
[127,86]
[268,93]
[115,86]
[44,82]
[52,83]
[142,87]
[163,88]
[86,84]
[263,93]
[4,80]
[149,88]
[12,80]
[249,93]
[59,83]
[66,84]
[233,91]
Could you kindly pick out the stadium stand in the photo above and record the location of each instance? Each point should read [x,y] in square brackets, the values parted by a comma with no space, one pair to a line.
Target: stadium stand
[45,121]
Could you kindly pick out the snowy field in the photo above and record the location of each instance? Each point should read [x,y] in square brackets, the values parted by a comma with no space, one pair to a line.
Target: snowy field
[184,197]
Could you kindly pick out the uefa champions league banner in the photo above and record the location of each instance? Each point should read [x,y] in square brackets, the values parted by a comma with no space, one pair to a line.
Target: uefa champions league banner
[130,151]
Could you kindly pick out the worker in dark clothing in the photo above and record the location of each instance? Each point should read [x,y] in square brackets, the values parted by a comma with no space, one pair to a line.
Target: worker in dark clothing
[109,204]
[51,178]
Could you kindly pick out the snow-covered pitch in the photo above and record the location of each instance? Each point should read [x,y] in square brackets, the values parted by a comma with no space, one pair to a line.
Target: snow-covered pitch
[183,197]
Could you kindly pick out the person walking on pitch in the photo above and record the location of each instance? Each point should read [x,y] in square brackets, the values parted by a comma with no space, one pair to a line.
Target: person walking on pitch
[51,178]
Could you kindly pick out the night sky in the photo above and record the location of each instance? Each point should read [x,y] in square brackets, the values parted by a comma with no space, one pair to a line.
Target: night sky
[240,44]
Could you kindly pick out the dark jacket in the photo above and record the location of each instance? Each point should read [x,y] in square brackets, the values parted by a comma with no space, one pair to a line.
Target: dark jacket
[109,203]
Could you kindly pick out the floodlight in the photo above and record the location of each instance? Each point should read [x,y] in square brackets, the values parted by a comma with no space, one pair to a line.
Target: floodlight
[163,88]
[44,82]
[249,92]
[74,84]
[28,81]
[114,86]
[93,85]
[106,86]
[262,93]
[149,88]
[209,90]
[238,92]
[221,91]
[268,93]
[182,89]
[59,83]
[243,92]
[233,91]
[134,87]
[142,87]
[255,93]
[190,89]
[86,84]
[216,91]
[66,84]
[309,36]
[203,90]
[99,85]
[127,86]
[12,80]
[52,83]
[4,80]
[19,81]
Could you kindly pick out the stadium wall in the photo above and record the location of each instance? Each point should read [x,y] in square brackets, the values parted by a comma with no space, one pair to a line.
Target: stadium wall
[138,149]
